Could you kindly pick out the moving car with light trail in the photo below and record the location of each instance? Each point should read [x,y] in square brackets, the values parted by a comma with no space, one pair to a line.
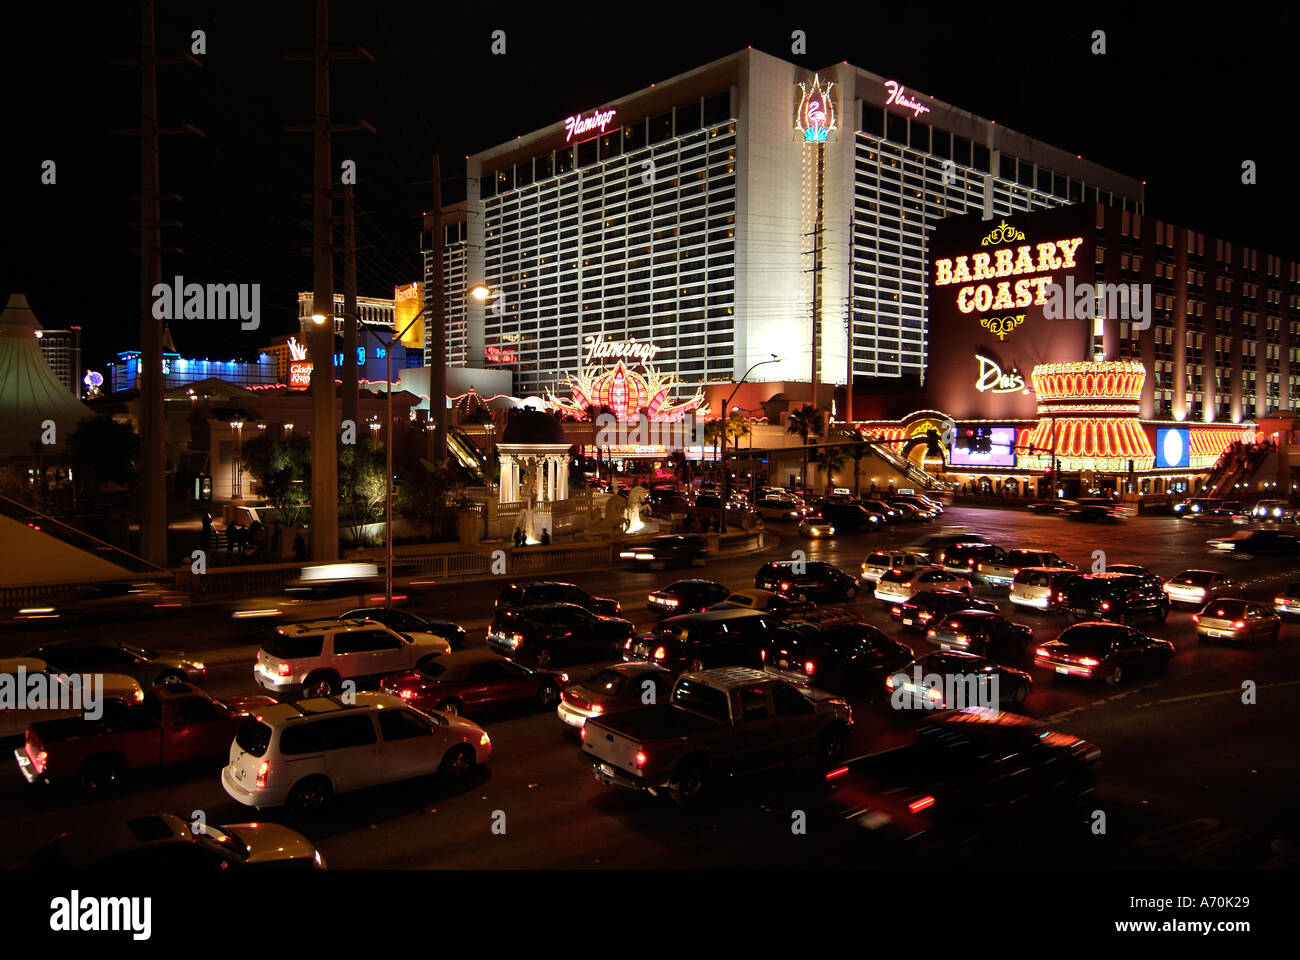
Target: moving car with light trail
[100,603]
[816,528]
[660,553]
[117,690]
[1107,650]
[1257,543]
[928,545]
[1287,601]
[409,624]
[717,723]
[549,592]
[1240,620]
[147,666]
[1273,511]
[765,600]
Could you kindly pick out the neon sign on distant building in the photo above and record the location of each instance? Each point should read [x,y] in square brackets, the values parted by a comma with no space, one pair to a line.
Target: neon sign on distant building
[815,118]
[898,95]
[577,124]
[500,355]
[598,347]
[993,380]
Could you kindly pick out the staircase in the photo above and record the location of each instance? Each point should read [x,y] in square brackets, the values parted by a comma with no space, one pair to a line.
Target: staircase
[919,478]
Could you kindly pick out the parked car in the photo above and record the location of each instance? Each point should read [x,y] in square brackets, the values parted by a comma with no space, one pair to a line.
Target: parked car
[1242,620]
[1108,650]
[909,511]
[301,754]
[887,512]
[686,596]
[658,553]
[475,681]
[698,641]
[979,631]
[1002,572]
[100,603]
[931,605]
[549,592]
[832,652]
[174,723]
[623,686]
[556,633]
[716,723]
[1119,597]
[1257,543]
[951,679]
[766,600]
[1273,511]
[1287,601]
[817,580]
[315,658]
[924,510]
[877,564]
[962,558]
[117,690]
[164,845]
[147,666]
[411,625]
[1198,587]
[782,508]
[1013,770]
[1041,588]
[816,528]
[902,586]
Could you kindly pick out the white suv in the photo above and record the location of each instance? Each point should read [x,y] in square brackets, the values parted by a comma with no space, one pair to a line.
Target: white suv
[301,754]
[316,657]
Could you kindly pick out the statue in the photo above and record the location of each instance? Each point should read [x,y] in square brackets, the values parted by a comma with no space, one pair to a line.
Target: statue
[528,514]
[636,499]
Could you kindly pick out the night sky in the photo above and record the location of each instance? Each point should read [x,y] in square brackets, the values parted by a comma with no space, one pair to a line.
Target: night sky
[1178,100]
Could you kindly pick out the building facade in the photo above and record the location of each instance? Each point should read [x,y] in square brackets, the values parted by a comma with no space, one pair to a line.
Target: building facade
[62,351]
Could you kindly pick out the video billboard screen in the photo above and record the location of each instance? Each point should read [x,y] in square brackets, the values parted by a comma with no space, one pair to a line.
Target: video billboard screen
[1173,447]
[1002,451]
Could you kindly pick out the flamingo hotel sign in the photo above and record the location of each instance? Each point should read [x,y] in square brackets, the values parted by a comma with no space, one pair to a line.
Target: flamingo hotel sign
[577,125]
[815,118]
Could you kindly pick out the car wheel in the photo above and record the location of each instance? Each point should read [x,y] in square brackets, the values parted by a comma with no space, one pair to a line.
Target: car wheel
[102,773]
[543,657]
[688,782]
[850,593]
[1162,613]
[548,694]
[449,707]
[170,676]
[310,796]
[319,685]
[1021,693]
[457,764]
[831,747]
[1115,676]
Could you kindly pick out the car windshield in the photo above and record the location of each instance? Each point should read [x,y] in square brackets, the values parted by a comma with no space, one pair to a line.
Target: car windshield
[701,698]
[896,576]
[142,652]
[432,670]
[878,560]
[1225,609]
[1194,578]
[218,839]
[254,737]
[1088,637]
[608,682]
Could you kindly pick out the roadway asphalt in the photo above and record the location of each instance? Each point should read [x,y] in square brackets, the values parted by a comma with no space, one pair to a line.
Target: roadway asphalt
[1192,776]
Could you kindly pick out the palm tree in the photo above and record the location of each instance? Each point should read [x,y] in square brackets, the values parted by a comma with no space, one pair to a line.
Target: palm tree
[857,450]
[831,459]
[715,432]
[737,427]
[806,422]
[681,467]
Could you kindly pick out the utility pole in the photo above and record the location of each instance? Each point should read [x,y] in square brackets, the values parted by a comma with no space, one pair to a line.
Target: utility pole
[324,430]
[436,325]
[349,305]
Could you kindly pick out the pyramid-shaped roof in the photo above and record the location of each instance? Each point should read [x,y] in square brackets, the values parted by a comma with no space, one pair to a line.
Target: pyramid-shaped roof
[30,393]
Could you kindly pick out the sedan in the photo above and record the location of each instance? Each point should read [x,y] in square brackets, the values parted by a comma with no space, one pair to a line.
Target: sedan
[1287,603]
[1093,514]
[148,667]
[1102,649]
[816,528]
[1197,587]
[906,584]
[976,631]
[1237,620]
[624,686]
[931,605]
[951,680]
[686,596]
[843,658]
[474,681]
[765,600]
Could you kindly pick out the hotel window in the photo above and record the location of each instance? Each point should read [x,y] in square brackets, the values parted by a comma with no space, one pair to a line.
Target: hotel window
[1026,174]
[717,108]
[611,145]
[564,160]
[634,136]
[896,127]
[661,127]
[920,139]
[1007,167]
[688,118]
[1076,191]
[941,144]
[961,150]
[873,120]
[981,159]
[587,153]
[523,173]
[505,179]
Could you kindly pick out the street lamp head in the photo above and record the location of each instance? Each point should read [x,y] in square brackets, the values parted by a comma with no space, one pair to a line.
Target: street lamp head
[480,291]
[318,318]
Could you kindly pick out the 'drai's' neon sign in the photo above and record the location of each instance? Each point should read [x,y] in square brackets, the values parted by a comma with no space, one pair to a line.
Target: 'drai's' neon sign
[977,297]
[898,96]
[595,124]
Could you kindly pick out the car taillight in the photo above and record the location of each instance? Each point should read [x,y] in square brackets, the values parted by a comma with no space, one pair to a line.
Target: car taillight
[1196,618]
[627,644]
[962,638]
[1088,661]
[650,597]
[1279,599]
[925,615]
[1041,652]
[762,655]
[406,693]
[916,806]
[896,611]
[597,708]
[139,696]
[262,770]
[516,639]
[979,566]
[284,670]
[809,667]
[931,632]
[640,758]
[1015,571]
[785,586]
[1239,624]
[582,732]
[837,772]
[659,653]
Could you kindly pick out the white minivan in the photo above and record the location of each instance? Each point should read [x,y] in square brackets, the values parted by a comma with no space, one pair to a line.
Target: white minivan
[301,754]
[314,658]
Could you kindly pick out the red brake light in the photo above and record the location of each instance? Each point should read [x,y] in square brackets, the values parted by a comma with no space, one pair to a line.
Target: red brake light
[659,653]
[284,670]
[1088,661]
[1239,624]
[979,566]
[837,772]
[1041,652]
[809,667]
[1105,605]
[895,610]
[889,683]
[627,644]
[640,758]
[1196,618]
[262,770]
[916,806]
[925,615]
[406,693]
[785,585]
[596,708]
[762,655]
[582,732]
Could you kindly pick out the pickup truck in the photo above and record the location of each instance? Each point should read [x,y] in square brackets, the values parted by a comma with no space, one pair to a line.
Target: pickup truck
[1000,572]
[175,723]
[724,721]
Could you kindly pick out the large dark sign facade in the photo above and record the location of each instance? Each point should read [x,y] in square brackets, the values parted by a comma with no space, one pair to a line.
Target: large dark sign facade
[988,284]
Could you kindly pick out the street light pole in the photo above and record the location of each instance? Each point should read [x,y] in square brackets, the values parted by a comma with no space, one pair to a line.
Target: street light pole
[726,473]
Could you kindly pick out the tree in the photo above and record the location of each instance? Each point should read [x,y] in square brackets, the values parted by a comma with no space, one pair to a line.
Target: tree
[681,468]
[831,459]
[857,450]
[362,483]
[429,496]
[103,454]
[738,427]
[806,422]
[281,472]
[715,432]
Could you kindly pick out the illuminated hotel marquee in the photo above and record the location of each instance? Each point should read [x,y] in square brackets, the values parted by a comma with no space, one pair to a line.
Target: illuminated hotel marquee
[815,118]
[577,125]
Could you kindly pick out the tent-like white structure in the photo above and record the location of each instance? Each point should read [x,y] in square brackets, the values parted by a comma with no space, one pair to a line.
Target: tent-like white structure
[30,393]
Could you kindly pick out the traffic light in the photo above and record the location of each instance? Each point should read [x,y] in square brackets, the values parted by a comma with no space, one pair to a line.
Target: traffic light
[965,438]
